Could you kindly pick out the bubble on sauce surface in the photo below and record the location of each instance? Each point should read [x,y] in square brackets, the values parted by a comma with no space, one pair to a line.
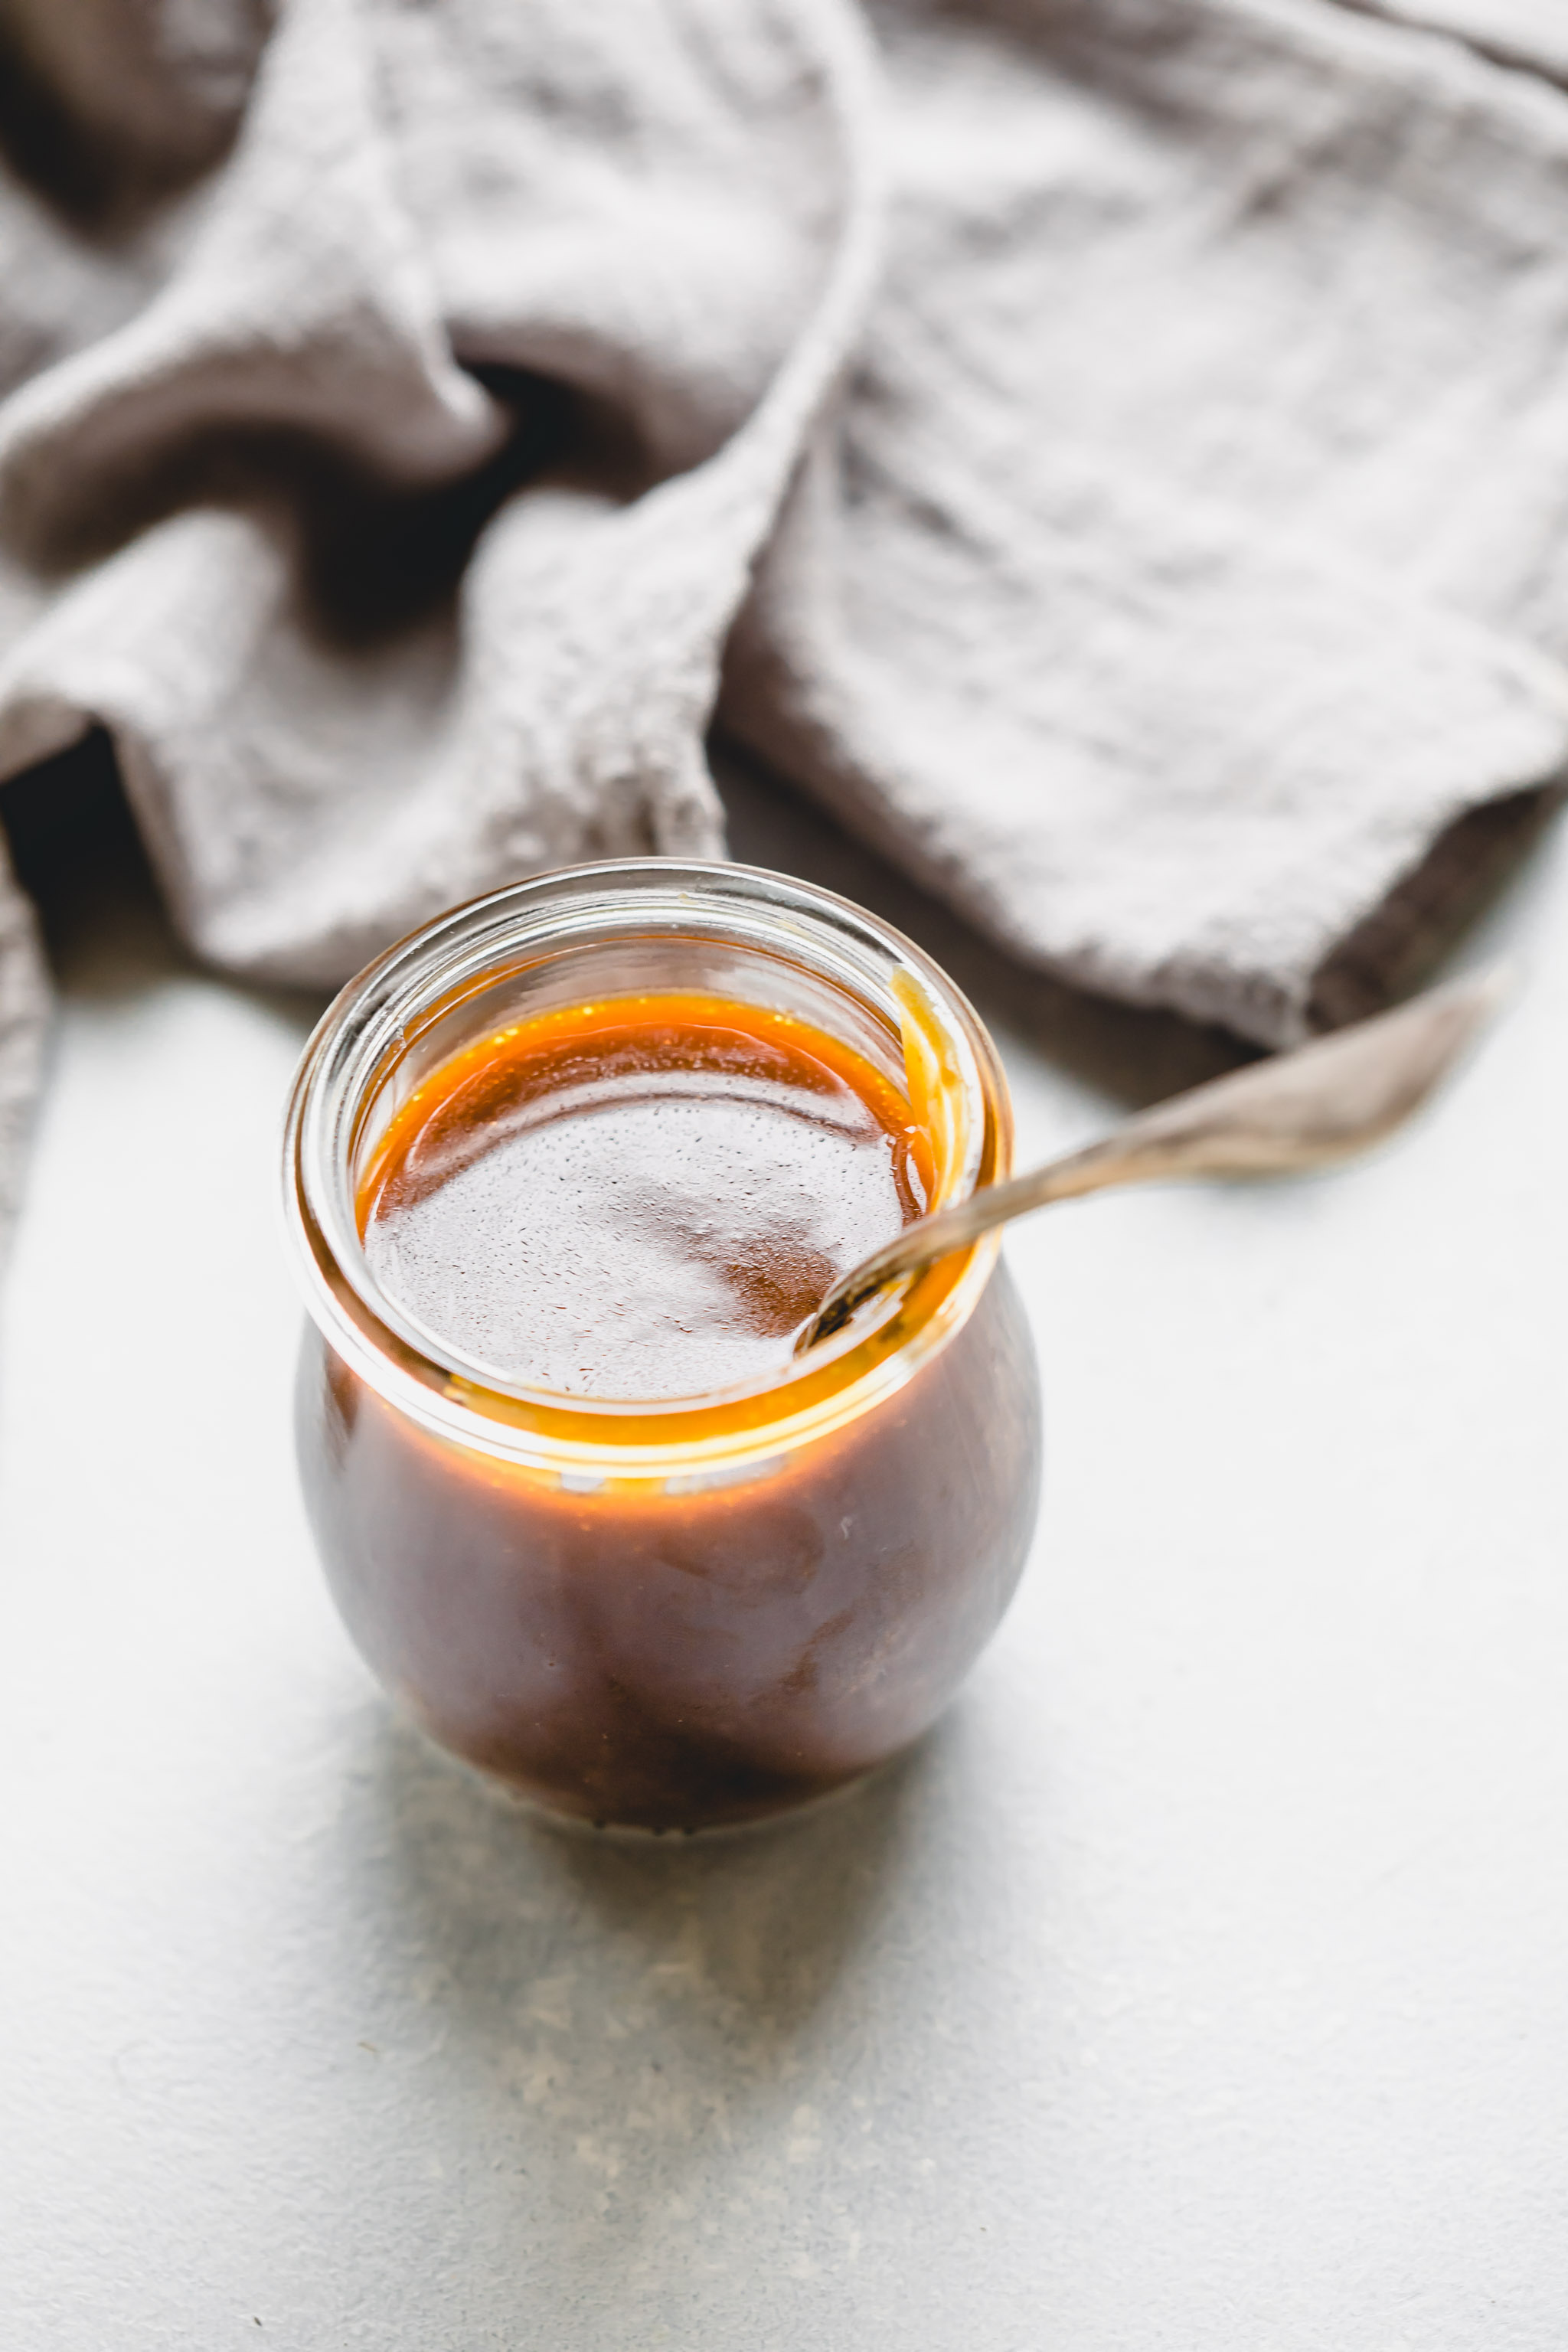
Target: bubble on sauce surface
[644,1235]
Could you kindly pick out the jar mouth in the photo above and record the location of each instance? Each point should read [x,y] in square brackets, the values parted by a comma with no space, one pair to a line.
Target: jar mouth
[443,981]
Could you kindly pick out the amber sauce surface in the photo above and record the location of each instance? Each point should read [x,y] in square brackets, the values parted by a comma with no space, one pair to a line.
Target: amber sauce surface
[638,1198]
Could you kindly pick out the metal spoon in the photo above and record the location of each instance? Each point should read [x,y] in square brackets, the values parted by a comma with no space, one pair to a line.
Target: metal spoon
[1302,1109]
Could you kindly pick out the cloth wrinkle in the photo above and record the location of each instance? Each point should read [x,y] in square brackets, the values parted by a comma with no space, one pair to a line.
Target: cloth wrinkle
[1109,453]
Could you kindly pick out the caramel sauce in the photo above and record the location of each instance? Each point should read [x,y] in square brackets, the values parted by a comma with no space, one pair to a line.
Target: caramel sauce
[643,1198]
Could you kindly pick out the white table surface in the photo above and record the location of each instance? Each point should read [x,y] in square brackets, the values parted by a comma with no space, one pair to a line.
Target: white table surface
[1202,1983]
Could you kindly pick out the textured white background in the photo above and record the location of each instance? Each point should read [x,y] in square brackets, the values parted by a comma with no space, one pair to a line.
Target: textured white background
[1203,1983]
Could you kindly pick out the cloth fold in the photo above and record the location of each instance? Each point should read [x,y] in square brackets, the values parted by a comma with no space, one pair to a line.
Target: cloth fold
[1112,451]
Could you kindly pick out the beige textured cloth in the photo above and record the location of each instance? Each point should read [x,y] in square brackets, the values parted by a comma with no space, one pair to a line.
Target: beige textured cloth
[1114,452]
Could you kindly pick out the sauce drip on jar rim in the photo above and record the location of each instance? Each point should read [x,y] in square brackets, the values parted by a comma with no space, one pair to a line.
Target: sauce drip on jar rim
[642,1198]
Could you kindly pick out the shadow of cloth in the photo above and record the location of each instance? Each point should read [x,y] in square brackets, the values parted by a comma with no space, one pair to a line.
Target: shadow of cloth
[91,118]
[77,853]
[107,931]
[371,559]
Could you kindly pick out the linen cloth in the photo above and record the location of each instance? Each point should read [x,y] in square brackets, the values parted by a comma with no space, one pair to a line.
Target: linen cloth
[1114,452]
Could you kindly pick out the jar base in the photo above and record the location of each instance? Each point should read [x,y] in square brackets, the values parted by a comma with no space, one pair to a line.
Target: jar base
[501,1791]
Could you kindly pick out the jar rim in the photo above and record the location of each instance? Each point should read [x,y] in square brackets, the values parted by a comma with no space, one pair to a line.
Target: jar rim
[455,955]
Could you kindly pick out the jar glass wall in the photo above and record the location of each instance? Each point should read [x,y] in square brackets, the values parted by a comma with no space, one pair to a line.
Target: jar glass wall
[693,1612]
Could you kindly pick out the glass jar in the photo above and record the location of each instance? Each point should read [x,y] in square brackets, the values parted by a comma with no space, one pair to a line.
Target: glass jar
[680,1613]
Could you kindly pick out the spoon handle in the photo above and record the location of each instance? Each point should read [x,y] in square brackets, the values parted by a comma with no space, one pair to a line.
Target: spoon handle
[1319,1103]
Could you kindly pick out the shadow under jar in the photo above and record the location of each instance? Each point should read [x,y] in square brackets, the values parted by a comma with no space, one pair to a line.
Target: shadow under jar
[669,1612]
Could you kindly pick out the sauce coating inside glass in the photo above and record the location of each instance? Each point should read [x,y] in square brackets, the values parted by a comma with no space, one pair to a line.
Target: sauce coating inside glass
[643,1198]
